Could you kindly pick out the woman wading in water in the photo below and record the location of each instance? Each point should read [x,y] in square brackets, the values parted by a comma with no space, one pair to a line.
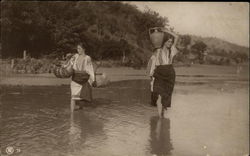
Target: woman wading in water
[162,73]
[83,77]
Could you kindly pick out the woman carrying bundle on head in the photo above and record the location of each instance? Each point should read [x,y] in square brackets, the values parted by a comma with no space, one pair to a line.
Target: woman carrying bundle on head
[161,71]
[83,77]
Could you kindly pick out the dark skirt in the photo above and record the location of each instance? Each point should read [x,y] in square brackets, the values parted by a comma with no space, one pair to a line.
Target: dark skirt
[86,90]
[154,98]
[86,93]
[164,83]
[80,77]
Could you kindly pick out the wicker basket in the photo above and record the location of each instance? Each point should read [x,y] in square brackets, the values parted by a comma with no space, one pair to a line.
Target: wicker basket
[62,72]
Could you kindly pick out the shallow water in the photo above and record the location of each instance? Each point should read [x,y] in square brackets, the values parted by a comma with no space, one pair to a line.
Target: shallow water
[37,121]
[120,121]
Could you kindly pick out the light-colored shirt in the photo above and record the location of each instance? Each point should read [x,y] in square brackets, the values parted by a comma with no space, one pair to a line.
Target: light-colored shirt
[160,57]
[83,63]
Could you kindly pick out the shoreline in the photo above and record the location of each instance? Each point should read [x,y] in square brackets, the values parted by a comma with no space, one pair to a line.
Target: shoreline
[196,74]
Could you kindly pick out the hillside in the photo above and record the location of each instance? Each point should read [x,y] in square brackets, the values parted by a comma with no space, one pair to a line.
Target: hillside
[111,30]
[216,43]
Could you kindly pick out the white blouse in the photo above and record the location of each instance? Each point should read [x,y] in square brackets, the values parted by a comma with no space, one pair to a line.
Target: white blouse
[83,63]
[160,57]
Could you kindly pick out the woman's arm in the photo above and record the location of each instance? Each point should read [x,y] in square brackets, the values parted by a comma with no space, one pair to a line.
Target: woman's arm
[150,69]
[90,69]
[176,40]
[73,59]
[176,37]
[151,65]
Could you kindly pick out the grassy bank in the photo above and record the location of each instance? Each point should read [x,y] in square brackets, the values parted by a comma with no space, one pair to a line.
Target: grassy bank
[194,73]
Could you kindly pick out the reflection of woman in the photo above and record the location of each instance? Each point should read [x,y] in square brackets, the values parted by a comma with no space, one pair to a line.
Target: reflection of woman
[82,78]
[162,73]
[160,136]
[74,131]
[85,133]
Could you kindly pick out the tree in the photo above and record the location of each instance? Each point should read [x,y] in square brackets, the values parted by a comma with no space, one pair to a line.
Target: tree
[124,47]
[53,28]
[185,40]
[199,48]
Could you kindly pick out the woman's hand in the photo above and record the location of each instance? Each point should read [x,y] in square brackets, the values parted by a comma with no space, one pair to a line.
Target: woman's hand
[94,84]
[151,78]
[176,37]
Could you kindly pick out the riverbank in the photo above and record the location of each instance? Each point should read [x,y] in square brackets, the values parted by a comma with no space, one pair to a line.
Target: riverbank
[193,74]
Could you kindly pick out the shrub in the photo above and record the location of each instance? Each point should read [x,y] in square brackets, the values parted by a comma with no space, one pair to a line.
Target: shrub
[33,66]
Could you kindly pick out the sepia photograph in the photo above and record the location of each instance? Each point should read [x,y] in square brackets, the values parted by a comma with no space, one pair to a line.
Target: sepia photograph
[124,78]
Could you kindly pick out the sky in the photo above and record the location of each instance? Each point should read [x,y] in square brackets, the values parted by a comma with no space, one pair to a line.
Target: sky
[226,20]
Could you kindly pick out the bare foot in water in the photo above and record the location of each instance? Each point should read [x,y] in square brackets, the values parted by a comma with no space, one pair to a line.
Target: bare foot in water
[77,107]
[164,109]
[162,113]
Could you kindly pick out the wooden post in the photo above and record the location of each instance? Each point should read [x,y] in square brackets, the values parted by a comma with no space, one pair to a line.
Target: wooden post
[24,54]
[12,63]
[123,57]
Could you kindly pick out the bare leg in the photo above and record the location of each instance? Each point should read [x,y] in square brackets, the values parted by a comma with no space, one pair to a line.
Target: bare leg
[159,107]
[72,105]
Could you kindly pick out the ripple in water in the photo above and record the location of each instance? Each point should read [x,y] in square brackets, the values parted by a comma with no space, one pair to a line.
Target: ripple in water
[118,122]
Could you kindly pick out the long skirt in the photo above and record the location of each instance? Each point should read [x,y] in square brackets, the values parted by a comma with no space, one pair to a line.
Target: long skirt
[80,87]
[164,83]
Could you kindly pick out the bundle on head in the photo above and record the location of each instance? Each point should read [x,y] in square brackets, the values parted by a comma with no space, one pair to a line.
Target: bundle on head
[158,36]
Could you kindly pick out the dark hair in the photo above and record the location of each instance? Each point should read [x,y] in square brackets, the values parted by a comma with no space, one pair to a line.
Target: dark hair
[166,37]
[82,44]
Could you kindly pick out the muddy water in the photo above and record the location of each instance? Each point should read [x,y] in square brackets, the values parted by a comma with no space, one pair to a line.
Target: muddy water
[120,121]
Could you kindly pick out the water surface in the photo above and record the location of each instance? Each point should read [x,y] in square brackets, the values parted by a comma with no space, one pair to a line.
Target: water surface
[120,121]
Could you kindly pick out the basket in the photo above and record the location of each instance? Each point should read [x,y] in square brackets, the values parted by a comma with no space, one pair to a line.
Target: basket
[62,72]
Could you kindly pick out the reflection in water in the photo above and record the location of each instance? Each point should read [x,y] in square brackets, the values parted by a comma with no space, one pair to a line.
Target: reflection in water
[160,136]
[37,120]
[85,131]
[74,131]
